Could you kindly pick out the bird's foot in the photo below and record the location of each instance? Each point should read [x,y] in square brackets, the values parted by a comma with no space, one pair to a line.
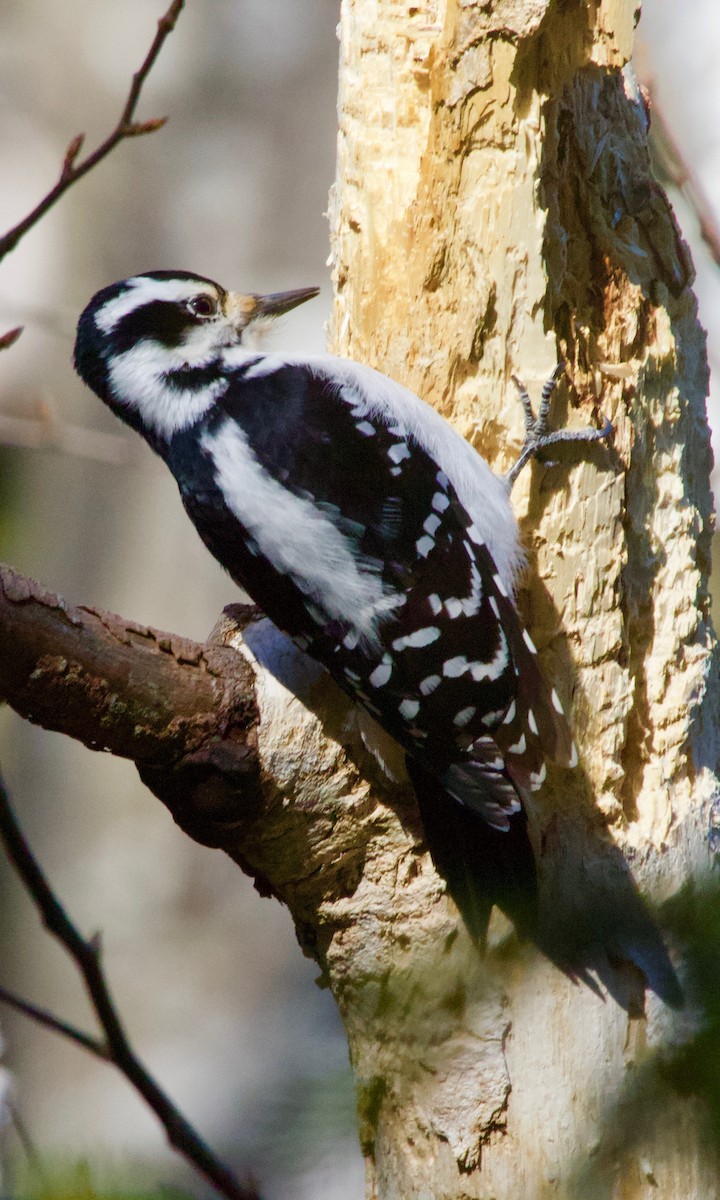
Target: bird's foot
[537,436]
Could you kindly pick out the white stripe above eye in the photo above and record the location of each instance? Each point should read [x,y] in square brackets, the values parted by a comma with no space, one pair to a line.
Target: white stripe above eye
[293,534]
[140,290]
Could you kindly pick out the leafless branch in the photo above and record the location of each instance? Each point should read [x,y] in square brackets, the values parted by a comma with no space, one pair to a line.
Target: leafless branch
[72,170]
[26,1142]
[86,953]
[143,694]
[44,1017]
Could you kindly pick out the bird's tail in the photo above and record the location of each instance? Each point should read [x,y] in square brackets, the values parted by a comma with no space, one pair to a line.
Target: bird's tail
[481,866]
[594,922]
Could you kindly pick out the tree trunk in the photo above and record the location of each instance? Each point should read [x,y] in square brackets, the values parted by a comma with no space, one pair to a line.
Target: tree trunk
[494,210]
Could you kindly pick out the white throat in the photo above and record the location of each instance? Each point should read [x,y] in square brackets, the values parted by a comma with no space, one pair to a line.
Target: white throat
[138,381]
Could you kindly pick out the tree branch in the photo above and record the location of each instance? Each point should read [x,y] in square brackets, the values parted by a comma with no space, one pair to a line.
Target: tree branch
[87,956]
[44,1017]
[72,170]
[140,693]
[185,713]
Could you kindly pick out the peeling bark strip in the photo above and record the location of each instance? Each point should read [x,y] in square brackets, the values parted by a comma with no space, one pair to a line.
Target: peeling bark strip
[494,209]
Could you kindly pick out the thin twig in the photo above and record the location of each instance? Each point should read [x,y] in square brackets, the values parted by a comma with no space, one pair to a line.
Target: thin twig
[87,956]
[44,1017]
[72,170]
[9,339]
[29,1149]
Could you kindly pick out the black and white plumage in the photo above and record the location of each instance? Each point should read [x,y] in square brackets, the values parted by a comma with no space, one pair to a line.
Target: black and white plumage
[354,516]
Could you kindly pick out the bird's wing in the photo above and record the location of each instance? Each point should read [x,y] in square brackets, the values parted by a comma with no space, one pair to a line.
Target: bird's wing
[449,653]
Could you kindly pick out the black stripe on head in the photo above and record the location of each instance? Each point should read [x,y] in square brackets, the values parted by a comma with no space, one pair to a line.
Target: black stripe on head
[164,321]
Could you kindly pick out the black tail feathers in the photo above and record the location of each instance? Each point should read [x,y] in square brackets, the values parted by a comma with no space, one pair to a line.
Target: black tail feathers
[594,925]
[481,866]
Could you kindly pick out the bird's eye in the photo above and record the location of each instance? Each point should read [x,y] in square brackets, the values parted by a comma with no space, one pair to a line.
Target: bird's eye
[202,306]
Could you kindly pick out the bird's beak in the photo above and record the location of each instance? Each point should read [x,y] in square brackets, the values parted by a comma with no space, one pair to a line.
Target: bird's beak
[281,302]
[242,309]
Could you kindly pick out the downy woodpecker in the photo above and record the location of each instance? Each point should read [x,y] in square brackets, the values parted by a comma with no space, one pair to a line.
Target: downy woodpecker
[357,519]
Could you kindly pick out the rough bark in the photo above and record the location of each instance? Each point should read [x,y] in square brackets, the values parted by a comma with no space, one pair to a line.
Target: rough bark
[494,208]
[184,713]
[79,671]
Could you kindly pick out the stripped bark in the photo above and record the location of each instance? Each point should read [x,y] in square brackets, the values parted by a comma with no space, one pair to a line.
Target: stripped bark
[494,209]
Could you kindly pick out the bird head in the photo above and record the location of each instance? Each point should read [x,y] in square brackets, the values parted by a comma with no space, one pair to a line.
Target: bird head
[151,346]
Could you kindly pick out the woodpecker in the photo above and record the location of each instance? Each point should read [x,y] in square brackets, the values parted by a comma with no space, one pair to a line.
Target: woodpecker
[361,524]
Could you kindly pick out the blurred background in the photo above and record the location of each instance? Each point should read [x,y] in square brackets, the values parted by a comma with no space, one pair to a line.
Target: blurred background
[215,993]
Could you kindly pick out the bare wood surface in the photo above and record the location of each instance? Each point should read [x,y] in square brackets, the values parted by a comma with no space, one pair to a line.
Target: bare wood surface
[494,210]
